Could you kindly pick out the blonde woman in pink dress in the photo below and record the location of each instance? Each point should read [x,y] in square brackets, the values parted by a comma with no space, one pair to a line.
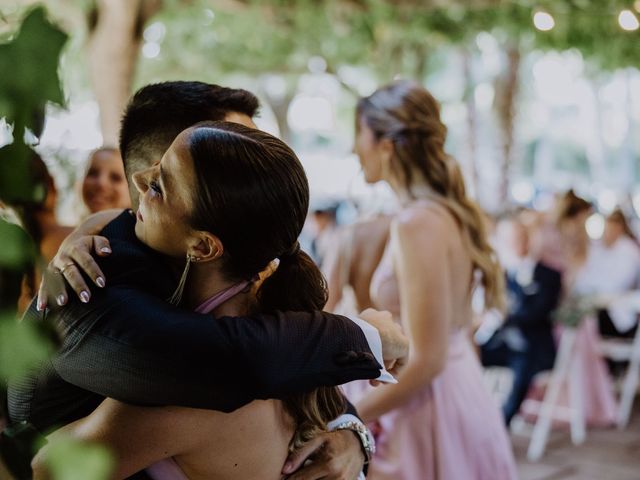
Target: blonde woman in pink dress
[439,421]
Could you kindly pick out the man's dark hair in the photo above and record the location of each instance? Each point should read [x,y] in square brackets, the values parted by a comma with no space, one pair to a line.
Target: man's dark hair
[157,113]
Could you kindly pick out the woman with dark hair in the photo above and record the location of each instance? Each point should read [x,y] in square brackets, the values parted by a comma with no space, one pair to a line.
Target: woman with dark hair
[232,201]
[38,218]
[439,421]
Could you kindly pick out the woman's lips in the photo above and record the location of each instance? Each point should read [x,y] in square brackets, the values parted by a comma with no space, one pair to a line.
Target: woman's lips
[139,216]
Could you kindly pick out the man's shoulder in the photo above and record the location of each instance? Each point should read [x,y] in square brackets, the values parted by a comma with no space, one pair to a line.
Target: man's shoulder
[131,262]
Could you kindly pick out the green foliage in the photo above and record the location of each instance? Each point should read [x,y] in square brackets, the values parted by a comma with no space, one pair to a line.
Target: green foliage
[210,39]
[22,347]
[17,252]
[69,459]
[29,63]
[573,310]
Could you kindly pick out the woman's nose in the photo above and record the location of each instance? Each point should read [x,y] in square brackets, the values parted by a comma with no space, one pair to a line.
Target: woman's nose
[140,182]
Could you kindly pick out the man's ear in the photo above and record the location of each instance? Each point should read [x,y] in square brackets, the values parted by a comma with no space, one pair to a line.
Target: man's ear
[205,247]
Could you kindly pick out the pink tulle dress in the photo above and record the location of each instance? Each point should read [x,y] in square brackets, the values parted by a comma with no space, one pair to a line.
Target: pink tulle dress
[452,429]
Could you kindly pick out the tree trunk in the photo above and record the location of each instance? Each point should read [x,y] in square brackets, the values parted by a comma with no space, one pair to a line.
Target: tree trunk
[280,108]
[594,146]
[114,46]
[506,95]
[472,125]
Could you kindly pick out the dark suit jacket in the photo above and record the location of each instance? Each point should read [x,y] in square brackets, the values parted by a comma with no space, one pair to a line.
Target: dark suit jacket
[532,307]
[129,344]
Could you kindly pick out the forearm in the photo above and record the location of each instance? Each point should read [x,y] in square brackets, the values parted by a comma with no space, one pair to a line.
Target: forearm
[414,377]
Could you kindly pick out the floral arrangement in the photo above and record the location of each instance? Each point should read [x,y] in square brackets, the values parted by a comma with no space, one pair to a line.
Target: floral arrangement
[573,309]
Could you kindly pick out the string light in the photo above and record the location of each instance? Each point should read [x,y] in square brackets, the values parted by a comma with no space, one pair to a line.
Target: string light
[628,21]
[543,21]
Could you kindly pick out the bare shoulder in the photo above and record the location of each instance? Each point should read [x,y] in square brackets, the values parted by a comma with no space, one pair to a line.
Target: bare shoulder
[377,225]
[423,219]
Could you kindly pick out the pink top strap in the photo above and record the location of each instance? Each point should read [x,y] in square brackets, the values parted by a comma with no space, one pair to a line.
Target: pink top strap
[221,297]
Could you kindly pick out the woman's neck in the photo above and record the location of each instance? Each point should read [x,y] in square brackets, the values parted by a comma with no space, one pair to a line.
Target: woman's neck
[204,282]
[417,191]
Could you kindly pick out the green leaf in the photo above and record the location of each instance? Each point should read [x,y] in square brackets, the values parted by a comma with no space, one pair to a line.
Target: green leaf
[29,79]
[69,459]
[30,62]
[22,347]
[17,252]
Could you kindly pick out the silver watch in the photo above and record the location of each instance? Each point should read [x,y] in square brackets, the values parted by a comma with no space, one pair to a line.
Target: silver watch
[366,439]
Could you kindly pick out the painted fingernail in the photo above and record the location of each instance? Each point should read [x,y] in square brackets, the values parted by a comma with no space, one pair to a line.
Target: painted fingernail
[84,296]
[105,250]
[61,300]
[100,282]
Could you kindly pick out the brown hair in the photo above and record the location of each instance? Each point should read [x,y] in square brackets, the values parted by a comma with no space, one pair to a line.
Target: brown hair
[252,193]
[619,217]
[408,115]
[570,205]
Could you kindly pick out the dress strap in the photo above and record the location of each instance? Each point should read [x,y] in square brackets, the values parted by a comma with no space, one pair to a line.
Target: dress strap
[221,297]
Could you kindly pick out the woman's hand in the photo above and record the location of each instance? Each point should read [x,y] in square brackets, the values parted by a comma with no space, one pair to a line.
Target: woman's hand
[73,257]
[334,456]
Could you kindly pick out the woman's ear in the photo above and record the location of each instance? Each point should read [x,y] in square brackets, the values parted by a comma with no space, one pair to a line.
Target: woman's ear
[205,247]
[385,152]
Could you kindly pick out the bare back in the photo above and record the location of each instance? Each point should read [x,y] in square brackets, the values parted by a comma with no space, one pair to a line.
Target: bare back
[431,219]
[250,443]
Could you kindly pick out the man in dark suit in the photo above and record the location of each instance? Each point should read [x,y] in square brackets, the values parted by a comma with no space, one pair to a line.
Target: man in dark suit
[524,342]
[127,343]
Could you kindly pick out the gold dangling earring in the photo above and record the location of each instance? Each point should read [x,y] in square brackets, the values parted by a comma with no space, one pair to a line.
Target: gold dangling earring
[177,294]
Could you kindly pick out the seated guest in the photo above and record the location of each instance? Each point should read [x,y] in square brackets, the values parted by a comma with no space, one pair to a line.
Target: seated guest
[612,268]
[524,342]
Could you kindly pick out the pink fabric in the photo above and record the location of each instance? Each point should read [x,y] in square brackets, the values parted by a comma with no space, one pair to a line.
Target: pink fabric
[219,298]
[168,469]
[595,384]
[452,429]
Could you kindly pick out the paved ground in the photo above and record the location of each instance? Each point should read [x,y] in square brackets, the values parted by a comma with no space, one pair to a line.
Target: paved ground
[607,454]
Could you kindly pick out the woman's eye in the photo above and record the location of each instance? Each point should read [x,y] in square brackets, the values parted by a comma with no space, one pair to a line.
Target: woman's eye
[155,187]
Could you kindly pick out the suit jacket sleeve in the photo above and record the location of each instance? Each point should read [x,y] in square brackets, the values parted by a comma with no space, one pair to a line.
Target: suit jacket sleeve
[538,307]
[131,346]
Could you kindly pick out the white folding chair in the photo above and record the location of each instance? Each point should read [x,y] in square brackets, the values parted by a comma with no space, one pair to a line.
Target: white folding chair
[625,350]
[565,372]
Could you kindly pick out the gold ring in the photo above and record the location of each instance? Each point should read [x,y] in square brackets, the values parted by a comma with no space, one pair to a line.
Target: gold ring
[61,270]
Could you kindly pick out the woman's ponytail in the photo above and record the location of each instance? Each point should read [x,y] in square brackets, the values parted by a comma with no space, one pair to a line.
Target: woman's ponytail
[296,285]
